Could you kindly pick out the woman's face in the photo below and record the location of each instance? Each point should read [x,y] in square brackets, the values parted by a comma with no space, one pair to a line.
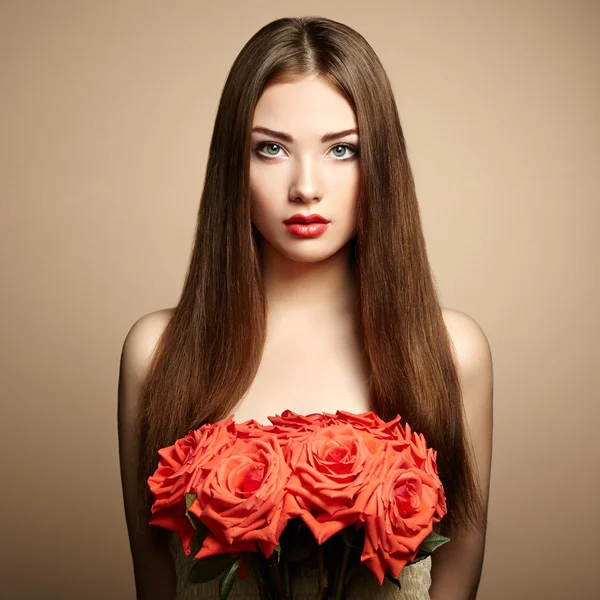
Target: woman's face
[294,170]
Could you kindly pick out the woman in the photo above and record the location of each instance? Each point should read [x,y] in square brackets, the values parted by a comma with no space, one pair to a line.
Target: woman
[278,314]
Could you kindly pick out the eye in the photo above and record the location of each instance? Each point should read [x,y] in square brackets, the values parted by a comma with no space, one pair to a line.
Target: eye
[272,149]
[343,147]
[270,146]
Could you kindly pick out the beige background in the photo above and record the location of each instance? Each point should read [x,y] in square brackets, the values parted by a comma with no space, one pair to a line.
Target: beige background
[107,111]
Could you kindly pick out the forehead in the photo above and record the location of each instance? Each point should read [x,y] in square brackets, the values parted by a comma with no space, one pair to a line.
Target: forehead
[303,105]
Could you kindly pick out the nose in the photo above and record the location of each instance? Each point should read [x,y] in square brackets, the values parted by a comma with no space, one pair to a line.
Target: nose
[306,186]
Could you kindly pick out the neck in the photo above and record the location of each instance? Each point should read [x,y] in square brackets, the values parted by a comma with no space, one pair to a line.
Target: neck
[325,287]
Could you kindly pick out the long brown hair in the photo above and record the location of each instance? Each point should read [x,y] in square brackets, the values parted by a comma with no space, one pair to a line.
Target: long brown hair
[210,350]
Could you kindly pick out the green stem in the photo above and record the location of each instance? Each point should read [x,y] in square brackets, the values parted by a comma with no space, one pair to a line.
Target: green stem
[258,576]
[261,571]
[276,576]
[322,591]
[340,584]
[287,580]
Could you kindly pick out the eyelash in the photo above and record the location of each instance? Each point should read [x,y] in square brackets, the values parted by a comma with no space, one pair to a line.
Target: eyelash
[261,145]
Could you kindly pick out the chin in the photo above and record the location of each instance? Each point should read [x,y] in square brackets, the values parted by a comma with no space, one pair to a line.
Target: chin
[303,251]
[311,255]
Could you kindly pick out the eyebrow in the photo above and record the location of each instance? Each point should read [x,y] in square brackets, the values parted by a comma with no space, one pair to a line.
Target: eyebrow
[286,137]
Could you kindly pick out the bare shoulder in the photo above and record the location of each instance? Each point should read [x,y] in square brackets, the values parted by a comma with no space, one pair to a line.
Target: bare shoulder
[141,340]
[471,346]
[153,566]
[137,351]
[457,568]
[138,348]
[473,359]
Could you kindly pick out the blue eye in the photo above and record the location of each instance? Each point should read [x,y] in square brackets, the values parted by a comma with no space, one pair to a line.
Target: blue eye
[272,148]
[354,149]
[269,145]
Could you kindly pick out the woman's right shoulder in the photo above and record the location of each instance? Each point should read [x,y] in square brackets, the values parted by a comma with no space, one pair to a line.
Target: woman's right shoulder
[154,571]
[136,354]
[142,338]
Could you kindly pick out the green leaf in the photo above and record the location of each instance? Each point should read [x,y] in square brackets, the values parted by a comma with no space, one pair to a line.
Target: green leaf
[193,519]
[277,551]
[196,544]
[201,532]
[201,529]
[228,580]
[209,568]
[394,580]
[418,558]
[431,543]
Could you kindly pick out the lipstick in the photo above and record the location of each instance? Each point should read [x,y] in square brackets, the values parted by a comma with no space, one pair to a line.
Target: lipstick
[306,226]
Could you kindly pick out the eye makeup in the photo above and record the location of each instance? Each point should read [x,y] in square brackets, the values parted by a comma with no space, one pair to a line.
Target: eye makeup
[264,144]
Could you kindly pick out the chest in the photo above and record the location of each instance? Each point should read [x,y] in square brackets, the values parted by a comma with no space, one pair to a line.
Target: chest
[308,367]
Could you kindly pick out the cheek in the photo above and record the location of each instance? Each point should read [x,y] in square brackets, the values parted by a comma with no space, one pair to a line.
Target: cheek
[348,188]
[348,213]
[263,194]
[260,212]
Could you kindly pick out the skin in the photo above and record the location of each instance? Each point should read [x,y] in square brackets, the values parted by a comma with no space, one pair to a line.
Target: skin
[313,356]
[310,292]
[305,176]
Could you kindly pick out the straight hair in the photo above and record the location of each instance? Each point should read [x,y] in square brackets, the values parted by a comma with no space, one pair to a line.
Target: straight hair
[210,351]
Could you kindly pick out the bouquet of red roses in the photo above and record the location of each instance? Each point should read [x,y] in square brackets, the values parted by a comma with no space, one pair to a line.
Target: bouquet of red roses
[250,496]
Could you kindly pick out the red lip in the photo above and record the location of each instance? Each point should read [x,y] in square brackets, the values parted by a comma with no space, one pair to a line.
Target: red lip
[298,218]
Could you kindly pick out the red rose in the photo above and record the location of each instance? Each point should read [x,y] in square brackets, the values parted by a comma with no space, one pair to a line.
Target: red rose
[287,427]
[330,468]
[290,426]
[399,513]
[243,499]
[292,420]
[370,422]
[425,458]
[179,470]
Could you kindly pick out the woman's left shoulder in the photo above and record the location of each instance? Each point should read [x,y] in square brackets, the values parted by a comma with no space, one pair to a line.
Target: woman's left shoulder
[473,360]
[471,345]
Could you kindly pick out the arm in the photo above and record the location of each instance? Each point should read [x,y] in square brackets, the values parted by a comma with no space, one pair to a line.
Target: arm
[153,566]
[456,567]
